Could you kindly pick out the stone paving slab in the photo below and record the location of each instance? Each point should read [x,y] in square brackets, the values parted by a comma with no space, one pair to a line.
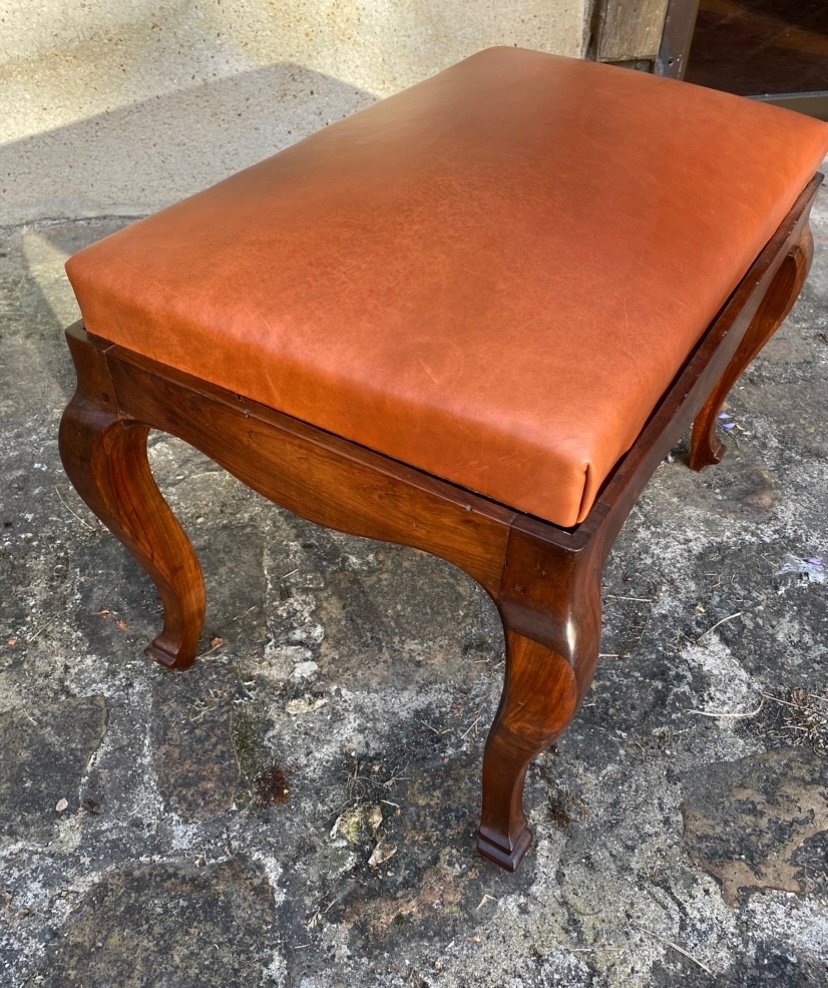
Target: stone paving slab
[46,750]
[202,928]
[299,808]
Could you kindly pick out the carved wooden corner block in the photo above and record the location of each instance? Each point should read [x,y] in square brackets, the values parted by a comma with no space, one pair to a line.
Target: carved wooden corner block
[544,580]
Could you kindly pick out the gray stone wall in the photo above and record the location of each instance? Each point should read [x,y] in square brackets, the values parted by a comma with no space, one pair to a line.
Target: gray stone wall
[122,106]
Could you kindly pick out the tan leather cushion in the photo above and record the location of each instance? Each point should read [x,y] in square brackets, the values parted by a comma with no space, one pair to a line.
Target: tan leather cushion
[492,276]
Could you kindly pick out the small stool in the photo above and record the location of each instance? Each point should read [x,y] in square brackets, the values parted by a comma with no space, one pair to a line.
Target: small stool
[471,319]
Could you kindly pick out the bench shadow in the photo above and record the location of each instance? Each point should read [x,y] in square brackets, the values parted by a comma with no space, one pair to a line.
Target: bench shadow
[154,152]
[141,158]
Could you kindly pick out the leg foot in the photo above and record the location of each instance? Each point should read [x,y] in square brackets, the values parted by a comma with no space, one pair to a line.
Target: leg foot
[105,457]
[507,857]
[705,448]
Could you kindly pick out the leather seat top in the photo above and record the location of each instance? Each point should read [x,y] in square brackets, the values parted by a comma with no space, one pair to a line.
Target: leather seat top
[492,276]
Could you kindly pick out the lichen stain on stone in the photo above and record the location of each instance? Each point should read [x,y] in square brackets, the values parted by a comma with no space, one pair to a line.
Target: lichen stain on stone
[748,822]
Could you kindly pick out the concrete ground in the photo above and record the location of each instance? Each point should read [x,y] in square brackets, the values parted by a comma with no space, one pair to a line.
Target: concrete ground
[300,808]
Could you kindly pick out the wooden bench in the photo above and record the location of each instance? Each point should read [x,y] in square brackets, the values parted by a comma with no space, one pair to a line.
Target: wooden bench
[472,319]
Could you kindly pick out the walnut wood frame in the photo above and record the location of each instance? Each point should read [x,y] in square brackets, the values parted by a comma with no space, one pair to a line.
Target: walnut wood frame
[544,580]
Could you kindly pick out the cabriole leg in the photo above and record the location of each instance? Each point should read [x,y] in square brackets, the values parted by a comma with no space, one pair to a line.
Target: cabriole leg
[105,457]
[539,700]
[705,447]
[550,605]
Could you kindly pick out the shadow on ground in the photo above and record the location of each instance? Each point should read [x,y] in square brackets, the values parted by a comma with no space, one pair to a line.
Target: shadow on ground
[156,151]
